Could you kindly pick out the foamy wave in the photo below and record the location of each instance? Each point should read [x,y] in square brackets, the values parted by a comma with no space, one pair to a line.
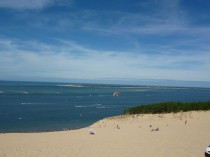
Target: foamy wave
[26,103]
[84,106]
[33,103]
[71,85]
[43,103]
[100,106]
[21,92]
[110,106]
[25,92]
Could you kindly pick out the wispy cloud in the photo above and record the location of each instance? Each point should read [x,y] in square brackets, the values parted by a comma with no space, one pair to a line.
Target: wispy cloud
[163,17]
[31,4]
[161,42]
[23,59]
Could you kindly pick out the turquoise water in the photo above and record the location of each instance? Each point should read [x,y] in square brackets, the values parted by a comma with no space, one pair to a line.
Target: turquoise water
[32,106]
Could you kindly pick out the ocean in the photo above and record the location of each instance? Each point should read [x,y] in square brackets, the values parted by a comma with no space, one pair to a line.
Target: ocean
[37,107]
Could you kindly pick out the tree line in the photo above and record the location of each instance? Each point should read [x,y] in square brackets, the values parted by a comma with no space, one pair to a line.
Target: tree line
[167,107]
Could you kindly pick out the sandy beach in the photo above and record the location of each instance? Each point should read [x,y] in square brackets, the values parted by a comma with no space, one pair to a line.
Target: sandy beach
[178,135]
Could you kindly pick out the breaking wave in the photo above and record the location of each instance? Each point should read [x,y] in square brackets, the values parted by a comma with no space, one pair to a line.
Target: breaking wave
[100,106]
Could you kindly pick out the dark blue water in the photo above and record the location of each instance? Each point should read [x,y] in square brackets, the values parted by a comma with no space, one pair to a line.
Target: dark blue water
[31,106]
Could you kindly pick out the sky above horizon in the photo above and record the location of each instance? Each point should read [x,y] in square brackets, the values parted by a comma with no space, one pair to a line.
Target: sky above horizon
[56,40]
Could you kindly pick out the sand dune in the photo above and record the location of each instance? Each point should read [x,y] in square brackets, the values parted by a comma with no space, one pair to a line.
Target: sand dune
[180,135]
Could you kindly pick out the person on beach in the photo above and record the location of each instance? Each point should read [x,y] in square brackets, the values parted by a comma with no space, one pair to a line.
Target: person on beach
[91,131]
[157,129]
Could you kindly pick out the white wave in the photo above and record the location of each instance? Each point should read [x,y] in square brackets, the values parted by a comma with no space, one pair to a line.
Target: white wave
[80,106]
[1,92]
[30,103]
[21,92]
[100,106]
[26,103]
[71,85]
[103,106]
[85,106]
[44,103]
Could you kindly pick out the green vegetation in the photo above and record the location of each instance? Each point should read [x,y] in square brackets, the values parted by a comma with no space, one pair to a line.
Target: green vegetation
[167,107]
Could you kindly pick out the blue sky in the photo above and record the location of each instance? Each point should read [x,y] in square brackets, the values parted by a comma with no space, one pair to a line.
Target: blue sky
[65,40]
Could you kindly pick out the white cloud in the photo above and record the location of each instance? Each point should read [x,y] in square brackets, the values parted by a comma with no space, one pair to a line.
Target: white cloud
[31,4]
[67,60]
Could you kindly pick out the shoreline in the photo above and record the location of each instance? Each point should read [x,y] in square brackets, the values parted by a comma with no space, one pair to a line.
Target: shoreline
[180,134]
[45,131]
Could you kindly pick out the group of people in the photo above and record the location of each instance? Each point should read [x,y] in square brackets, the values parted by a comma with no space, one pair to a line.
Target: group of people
[157,129]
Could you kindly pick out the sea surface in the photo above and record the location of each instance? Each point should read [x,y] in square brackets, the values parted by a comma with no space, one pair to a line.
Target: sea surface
[35,106]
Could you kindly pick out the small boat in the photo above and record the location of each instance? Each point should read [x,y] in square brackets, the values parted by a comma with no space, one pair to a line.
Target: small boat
[116,94]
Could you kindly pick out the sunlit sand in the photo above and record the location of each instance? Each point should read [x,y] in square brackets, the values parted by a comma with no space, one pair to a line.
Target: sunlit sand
[178,135]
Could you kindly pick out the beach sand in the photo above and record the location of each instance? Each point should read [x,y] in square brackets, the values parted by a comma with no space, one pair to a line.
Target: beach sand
[185,134]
